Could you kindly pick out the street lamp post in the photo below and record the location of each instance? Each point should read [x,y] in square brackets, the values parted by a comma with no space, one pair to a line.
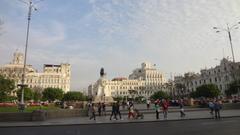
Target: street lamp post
[228,30]
[22,85]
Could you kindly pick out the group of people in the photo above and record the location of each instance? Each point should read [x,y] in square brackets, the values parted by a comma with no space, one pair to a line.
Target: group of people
[163,104]
[159,106]
[115,111]
[216,106]
[133,113]
[93,109]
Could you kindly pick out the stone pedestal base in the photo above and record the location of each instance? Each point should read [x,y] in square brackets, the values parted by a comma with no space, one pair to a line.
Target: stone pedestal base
[101,99]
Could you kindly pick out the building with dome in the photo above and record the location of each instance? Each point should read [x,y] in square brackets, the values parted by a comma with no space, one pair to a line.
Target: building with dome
[54,76]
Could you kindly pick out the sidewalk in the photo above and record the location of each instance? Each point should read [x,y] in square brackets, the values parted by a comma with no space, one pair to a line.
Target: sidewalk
[172,116]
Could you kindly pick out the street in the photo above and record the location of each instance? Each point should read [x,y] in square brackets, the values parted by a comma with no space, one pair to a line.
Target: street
[226,126]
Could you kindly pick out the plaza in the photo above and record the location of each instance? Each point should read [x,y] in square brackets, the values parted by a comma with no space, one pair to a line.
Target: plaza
[197,122]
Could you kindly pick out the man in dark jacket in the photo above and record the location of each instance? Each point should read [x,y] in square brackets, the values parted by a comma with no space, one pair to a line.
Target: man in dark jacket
[114,111]
[217,108]
[118,110]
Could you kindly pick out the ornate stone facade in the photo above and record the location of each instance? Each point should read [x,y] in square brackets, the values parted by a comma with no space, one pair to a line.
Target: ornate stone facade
[221,75]
[55,76]
[143,81]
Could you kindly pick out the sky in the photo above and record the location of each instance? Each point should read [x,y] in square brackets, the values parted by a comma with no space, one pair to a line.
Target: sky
[119,35]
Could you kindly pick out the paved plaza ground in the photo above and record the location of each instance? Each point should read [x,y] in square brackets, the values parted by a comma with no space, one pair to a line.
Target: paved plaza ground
[150,117]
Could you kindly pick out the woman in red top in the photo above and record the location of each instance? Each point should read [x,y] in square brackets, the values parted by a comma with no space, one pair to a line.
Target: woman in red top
[165,108]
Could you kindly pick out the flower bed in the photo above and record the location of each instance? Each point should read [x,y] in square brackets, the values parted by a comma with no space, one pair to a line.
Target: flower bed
[8,105]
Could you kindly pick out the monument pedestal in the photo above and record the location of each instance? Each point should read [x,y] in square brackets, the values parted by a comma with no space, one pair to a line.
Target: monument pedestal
[106,99]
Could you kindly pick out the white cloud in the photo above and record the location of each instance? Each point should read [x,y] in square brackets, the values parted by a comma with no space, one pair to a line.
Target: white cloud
[52,34]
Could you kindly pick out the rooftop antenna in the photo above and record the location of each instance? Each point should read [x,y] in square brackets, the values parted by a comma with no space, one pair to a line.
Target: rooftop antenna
[31,7]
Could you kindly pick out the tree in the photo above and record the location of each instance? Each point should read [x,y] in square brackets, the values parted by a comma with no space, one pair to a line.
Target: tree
[52,94]
[28,94]
[37,94]
[180,89]
[208,91]
[74,96]
[233,88]
[140,99]
[6,87]
[160,95]
[119,98]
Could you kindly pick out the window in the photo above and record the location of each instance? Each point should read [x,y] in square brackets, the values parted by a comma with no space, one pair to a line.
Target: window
[226,78]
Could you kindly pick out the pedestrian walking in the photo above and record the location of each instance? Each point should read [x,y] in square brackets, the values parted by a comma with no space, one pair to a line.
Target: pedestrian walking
[130,111]
[118,110]
[182,113]
[217,108]
[93,111]
[211,107]
[123,104]
[157,110]
[165,108]
[104,109]
[148,103]
[89,104]
[114,111]
[99,109]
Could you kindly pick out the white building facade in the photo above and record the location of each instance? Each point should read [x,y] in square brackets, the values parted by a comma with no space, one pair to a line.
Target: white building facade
[221,75]
[143,81]
[54,76]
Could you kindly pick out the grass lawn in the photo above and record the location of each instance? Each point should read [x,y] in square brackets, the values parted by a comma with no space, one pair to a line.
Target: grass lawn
[28,109]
